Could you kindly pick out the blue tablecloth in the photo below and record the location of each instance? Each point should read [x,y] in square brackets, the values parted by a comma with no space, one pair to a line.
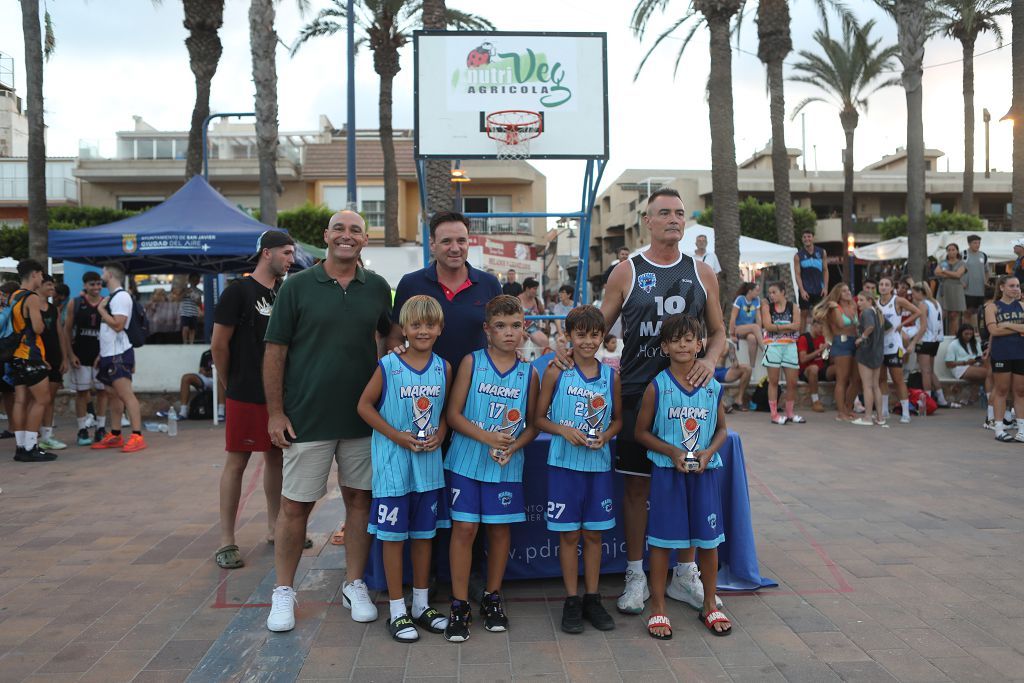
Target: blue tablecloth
[534,548]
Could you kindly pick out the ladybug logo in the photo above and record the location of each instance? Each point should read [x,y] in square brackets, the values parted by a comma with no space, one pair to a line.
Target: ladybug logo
[480,56]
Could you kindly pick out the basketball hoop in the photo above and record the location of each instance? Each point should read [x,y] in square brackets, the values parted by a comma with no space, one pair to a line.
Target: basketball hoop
[512,130]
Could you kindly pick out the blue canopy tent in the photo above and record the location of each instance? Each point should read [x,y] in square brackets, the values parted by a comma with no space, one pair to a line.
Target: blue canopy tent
[196,230]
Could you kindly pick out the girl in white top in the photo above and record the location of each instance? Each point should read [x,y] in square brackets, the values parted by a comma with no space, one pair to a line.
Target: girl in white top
[964,357]
[926,343]
[897,312]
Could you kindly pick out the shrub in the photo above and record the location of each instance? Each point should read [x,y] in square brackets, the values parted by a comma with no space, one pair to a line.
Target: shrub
[896,226]
[757,220]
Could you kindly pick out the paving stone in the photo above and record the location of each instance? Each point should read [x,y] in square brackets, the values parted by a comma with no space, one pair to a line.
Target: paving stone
[834,647]
[698,669]
[485,673]
[967,669]
[907,665]
[602,671]
[867,671]
[535,658]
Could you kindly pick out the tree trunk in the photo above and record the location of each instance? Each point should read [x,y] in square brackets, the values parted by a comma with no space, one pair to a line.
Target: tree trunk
[387,143]
[203,18]
[848,119]
[440,196]
[774,44]
[723,146]
[911,26]
[37,218]
[967,200]
[1017,107]
[263,44]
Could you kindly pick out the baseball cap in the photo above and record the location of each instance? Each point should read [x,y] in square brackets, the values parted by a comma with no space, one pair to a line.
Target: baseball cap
[273,238]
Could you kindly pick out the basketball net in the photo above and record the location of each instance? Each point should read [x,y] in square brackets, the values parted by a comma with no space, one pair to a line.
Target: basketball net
[512,130]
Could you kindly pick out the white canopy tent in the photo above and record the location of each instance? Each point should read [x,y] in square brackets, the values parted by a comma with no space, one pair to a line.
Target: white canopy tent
[995,244]
[754,253]
[10,265]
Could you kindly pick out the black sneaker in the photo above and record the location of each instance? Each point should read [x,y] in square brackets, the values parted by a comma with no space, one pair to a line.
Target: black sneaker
[101,433]
[457,630]
[83,437]
[596,614]
[572,615]
[6,434]
[493,612]
[34,455]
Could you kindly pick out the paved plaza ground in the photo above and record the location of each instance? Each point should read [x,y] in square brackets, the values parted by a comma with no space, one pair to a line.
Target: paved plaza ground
[898,553]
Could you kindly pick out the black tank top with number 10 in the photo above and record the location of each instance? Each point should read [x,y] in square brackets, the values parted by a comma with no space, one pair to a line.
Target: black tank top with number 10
[656,292]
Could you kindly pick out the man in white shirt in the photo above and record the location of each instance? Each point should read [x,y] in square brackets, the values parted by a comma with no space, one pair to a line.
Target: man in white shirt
[701,253]
[116,362]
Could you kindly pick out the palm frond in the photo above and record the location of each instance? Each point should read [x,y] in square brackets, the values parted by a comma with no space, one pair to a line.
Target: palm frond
[642,14]
[49,37]
[322,25]
[698,20]
[804,102]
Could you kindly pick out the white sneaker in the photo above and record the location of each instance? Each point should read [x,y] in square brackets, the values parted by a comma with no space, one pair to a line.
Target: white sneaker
[686,586]
[125,422]
[282,610]
[905,418]
[858,407]
[990,424]
[1019,436]
[634,594]
[356,597]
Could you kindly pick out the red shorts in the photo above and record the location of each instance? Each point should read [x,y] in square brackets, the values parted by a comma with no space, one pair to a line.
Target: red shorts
[246,427]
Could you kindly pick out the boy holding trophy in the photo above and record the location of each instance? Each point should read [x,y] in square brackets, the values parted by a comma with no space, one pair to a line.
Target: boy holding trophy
[404,404]
[683,427]
[581,409]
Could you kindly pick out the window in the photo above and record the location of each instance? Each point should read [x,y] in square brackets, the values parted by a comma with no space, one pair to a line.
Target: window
[138,203]
[371,205]
[335,197]
[476,204]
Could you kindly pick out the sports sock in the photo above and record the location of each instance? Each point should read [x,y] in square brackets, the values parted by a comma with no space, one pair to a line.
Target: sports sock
[789,408]
[990,413]
[397,608]
[635,566]
[31,439]
[19,438]
[885,405]
[940,397]
[685,565]
[1008,416]
[46,432]
[419,601]
[101,422]
[82,421]
[1020,425]
[905,406]
[814,398]
[183,411]
[773,406]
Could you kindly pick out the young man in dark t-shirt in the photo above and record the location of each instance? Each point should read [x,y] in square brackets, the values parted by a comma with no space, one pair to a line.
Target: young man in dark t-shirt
[240,323]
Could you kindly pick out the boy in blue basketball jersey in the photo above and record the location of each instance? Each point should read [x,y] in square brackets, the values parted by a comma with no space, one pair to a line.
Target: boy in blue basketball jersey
[491,415]
[580,408]
[678,421]
[404,403]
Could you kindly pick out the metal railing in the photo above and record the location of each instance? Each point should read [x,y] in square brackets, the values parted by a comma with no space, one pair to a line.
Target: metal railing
[16,189]
[500,226]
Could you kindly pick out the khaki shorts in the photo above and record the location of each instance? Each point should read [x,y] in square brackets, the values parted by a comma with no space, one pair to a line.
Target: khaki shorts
[83,378]
[307,466]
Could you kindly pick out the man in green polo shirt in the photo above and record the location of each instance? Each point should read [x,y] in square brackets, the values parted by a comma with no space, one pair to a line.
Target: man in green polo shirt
[320,353]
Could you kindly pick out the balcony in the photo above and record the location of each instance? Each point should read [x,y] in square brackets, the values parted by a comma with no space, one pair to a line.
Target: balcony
[501,226]
[58,190]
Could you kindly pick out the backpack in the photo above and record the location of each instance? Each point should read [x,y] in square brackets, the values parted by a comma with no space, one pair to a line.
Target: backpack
[9,339]
[201,406]
[759,397]
[138,324]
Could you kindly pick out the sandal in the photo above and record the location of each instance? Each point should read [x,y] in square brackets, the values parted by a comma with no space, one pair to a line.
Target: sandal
[306,546]
[716,617]
[1005,437]
[729,408]
[742,407]
[656,620]
[228,557]
[797,419]
[432,620]
[403,625]
[338,537]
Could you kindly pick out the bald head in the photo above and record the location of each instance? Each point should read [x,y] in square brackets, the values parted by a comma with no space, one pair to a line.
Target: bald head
[345,236]
[346,217]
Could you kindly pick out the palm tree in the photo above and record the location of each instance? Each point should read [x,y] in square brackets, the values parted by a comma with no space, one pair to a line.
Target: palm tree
[717,15]
[848,73]
[439,186]
[1017,110]
[965,20]
[263,42]
[203,18]
[915,22]
[387,25]
[37,47]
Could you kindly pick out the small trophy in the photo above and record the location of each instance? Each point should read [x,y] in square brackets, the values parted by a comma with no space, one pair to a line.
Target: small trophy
[691,434]
[421,410]
[594,418]
[509,424]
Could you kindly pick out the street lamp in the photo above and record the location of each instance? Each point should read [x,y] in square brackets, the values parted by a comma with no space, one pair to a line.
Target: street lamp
[850,245]
[458,177]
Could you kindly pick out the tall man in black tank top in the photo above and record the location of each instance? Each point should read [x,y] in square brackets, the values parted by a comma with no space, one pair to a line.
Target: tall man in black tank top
[644,290]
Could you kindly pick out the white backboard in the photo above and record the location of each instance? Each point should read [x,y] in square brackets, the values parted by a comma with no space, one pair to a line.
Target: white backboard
[461,76]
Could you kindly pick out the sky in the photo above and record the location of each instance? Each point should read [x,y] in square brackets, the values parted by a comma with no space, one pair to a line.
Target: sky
[119,58]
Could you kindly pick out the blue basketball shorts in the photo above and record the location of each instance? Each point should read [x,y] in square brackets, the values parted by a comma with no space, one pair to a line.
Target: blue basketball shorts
[686,509]
[579,500]
[414,515]
[488,502]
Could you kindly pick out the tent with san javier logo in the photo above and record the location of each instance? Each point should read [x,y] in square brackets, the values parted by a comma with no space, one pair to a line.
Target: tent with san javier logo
[196,230]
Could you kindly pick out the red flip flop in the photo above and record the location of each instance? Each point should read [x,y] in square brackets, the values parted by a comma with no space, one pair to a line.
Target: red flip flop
[717,617]
[659,620]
